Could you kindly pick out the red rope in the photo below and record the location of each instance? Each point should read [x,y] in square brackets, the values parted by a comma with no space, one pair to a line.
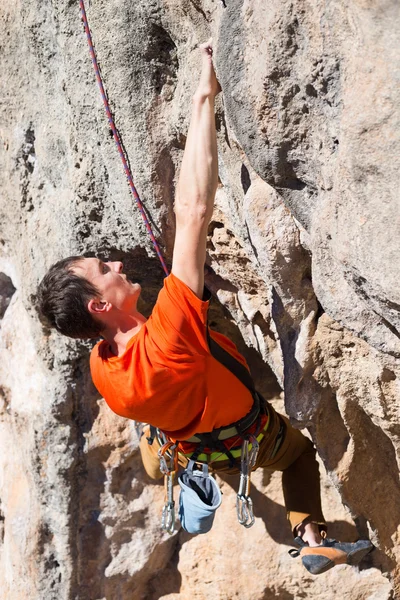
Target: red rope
[117,137]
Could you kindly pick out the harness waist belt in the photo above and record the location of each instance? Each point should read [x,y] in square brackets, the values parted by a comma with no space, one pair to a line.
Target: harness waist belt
[238,427]
[236,452]
[224,434]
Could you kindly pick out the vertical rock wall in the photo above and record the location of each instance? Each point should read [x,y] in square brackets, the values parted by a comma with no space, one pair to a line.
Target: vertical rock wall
[302,261]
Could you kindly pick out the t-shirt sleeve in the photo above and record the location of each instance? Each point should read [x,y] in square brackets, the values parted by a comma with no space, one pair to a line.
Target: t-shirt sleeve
[96,368]
[179,319]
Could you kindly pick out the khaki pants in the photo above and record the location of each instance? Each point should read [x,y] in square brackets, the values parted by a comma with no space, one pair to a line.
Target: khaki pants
[295,458]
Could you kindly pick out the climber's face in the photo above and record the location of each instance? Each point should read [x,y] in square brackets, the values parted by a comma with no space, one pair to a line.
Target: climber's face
[116,292]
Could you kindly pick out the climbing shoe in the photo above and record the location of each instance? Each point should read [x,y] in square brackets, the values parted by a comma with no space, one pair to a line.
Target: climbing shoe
[318,559]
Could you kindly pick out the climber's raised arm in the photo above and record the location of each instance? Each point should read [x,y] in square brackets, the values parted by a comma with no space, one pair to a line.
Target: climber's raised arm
[198,181]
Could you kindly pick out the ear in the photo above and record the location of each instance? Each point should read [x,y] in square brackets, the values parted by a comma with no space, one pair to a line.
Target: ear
[97,307]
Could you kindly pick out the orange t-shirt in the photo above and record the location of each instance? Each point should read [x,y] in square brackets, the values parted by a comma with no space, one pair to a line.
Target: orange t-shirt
[167,375]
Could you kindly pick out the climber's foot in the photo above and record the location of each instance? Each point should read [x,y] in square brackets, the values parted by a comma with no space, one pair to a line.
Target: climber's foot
[319,559]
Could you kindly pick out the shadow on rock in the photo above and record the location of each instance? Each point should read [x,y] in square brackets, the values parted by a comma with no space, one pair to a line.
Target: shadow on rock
[274,515]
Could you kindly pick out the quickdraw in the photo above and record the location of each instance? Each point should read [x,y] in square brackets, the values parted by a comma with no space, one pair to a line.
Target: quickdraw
[244,504]
[168,512]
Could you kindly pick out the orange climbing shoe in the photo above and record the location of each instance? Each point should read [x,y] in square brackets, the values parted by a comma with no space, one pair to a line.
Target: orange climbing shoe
[318,559]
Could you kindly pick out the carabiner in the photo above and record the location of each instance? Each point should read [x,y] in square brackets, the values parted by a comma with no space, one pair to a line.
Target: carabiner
[244,504]
[255,446]
[168,518]
[168,512]
[163,463]
[244,510]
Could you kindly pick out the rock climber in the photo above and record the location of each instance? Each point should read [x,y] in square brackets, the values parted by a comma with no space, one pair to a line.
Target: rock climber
[160,370]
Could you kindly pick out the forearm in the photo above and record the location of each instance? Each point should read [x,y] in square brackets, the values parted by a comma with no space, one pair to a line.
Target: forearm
[197,182]
[198,177]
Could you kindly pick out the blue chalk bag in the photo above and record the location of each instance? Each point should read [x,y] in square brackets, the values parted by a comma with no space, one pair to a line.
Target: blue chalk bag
[199,498]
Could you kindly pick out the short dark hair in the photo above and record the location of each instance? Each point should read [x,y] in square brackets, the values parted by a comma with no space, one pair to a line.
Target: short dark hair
[62,301]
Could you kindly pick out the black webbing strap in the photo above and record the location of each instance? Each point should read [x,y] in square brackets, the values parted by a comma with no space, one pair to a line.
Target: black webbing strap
[230,362]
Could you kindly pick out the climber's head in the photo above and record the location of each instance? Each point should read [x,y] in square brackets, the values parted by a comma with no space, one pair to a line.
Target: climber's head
[80,296]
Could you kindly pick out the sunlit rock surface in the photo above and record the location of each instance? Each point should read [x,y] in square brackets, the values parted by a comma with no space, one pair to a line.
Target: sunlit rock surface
[302,263]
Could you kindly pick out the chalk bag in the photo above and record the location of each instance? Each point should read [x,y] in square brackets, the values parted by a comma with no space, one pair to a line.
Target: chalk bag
[199,498]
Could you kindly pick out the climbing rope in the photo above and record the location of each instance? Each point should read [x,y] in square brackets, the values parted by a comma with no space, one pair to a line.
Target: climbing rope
[117,137]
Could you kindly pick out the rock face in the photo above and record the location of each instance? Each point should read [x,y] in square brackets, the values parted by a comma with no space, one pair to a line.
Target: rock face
[302,262]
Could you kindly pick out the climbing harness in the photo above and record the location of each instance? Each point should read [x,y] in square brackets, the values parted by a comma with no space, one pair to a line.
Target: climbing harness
[117,137]
[249,446]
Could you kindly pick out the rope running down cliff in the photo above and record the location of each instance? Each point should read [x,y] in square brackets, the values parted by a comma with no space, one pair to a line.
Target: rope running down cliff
[117,137]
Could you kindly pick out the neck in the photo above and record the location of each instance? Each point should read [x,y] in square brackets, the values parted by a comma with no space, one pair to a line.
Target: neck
[119,333]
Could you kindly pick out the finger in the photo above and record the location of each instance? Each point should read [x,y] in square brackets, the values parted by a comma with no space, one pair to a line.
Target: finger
[207,45]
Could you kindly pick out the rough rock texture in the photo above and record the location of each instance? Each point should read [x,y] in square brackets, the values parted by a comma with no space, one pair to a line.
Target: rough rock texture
[302,261]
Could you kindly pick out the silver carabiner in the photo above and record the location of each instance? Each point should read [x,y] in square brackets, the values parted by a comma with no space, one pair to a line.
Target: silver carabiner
[168,512]
[163,466]
[244,461]
[168,518]
[243,485]
[255,446]
[168,446]
[244,510]
[244,504]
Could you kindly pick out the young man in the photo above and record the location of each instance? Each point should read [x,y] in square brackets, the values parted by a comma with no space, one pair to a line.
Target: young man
[161,371]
